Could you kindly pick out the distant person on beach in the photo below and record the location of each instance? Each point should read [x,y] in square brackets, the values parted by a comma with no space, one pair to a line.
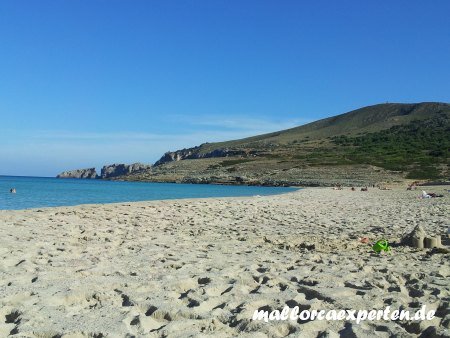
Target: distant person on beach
[429,195]
[12,190]
[412,186]
[424,195]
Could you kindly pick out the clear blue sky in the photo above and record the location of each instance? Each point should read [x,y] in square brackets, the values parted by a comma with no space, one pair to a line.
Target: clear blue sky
[88,82]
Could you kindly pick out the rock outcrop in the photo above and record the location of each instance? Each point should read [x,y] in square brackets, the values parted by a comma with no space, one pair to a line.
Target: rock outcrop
[194,153]
[79,173]
[178,155]
[108,171]
[114,170]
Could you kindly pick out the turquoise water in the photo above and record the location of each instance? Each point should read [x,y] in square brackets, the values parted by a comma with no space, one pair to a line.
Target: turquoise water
[37,192]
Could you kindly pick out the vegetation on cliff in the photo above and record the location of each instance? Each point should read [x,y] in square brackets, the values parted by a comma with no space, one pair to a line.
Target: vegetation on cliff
[419,148]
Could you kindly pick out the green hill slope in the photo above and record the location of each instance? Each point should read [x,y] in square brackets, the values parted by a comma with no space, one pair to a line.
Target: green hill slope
[363,120]
[370,144]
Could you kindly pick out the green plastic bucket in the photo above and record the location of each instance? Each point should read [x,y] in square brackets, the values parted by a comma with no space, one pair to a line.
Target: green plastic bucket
[381,245]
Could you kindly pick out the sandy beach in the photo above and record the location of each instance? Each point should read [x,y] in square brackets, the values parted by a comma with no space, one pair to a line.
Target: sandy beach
[202,267]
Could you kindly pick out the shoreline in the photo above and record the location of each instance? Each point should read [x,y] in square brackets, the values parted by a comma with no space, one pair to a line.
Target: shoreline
[297,188]
[133,203]
[156,200]
[51,192]
[203,266]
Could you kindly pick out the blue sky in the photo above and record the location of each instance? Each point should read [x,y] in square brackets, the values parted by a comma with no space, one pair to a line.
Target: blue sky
[89,82]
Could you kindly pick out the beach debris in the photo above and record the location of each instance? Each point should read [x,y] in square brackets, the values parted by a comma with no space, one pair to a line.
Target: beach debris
[364,240]
[381,245]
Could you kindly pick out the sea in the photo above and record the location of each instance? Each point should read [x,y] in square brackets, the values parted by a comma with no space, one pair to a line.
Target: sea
[40,192]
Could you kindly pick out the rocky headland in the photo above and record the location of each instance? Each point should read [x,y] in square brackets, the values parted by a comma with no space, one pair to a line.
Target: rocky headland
[108,171]
[115,170]
[196,153]
[78,173]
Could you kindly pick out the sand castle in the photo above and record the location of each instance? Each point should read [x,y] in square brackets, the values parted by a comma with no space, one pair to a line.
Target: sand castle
[419,239]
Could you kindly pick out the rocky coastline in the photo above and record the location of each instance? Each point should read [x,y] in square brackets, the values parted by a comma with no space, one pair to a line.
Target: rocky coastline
[88,173]
[195,153]
[115,170]
[107,172]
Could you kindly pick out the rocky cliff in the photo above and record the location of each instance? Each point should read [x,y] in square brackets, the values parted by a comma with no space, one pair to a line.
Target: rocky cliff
[114,170]
[108,171]
[195,153]
[79,173]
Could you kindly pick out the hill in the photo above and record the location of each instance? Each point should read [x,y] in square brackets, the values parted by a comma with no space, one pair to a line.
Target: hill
[373,144]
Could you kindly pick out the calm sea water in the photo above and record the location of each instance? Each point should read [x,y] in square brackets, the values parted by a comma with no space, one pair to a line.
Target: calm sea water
[36,192]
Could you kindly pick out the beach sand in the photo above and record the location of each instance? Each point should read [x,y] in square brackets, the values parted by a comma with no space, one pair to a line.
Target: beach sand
[202,267]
